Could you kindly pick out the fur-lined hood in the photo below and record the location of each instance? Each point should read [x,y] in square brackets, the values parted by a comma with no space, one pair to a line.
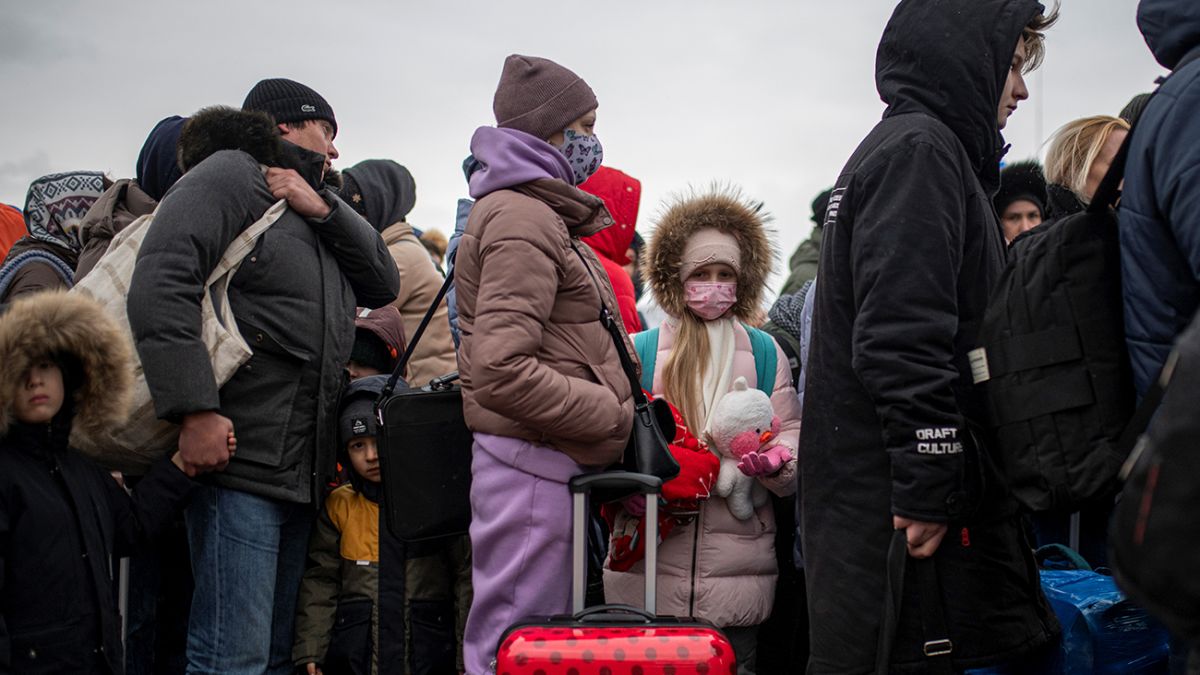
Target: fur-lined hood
[724,209]
[68,323]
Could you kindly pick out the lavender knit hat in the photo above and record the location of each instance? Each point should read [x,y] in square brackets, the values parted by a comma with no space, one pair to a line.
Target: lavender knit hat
[539,97]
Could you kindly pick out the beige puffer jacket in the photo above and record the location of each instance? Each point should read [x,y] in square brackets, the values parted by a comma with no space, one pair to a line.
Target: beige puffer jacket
[536,363]
[419,285]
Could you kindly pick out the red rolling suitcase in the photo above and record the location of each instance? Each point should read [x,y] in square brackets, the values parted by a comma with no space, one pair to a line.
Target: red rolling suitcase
[614,639]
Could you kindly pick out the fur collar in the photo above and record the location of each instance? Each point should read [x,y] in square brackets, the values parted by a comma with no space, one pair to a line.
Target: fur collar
[724,209]
[60,322]
[253,132]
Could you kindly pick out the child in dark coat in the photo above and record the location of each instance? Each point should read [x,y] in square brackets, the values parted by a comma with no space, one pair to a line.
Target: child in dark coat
[63,519]
[337,621]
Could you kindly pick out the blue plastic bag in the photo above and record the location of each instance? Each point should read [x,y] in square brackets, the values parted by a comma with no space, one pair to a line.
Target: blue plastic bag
[1103,632]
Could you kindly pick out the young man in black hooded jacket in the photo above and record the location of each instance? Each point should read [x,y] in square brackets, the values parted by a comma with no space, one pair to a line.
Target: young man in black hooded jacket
[912,250]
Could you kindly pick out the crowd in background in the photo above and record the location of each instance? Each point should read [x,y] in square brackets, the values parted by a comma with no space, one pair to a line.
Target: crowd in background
[258,545]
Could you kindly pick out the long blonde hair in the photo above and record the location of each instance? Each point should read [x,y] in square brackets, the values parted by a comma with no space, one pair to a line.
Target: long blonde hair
[684,370]
[1074,148]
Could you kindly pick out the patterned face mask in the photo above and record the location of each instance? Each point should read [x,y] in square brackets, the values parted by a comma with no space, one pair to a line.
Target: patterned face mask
[583,153]
[710,299]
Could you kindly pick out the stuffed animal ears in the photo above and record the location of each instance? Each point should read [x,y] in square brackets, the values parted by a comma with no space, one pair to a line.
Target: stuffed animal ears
[740,384]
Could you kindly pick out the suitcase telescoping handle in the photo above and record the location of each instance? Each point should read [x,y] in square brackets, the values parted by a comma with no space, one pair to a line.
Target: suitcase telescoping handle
[609,483]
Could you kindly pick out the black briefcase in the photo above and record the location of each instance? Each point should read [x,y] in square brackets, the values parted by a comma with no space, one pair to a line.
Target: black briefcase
[424,452]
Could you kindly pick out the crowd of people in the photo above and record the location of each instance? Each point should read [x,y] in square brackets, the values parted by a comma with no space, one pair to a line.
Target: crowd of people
[258,544]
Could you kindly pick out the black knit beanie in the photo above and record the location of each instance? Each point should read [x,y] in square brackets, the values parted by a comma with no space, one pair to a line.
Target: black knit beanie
[158,162]
[289,101]
[356,419]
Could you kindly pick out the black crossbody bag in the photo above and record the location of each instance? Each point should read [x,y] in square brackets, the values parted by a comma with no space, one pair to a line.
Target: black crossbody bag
[424,450]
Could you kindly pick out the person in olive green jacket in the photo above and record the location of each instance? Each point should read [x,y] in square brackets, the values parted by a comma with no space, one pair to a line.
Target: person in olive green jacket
[802,265]
[337,621]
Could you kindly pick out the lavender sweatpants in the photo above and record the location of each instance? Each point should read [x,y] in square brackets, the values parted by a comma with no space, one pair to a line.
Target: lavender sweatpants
[520,539]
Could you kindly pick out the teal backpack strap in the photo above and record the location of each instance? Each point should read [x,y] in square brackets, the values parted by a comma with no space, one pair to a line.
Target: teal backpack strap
[646,344]
[765,358]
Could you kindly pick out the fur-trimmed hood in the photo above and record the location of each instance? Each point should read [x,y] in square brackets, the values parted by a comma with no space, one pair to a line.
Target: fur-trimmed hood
[724,209]
[68,323]
[224,128]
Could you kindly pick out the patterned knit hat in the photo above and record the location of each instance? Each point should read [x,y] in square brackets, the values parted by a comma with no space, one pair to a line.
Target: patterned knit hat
[539,97]
[57,203]
[289,101]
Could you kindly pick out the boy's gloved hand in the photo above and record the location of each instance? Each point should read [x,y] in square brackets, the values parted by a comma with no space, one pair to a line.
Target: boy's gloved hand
[766,462]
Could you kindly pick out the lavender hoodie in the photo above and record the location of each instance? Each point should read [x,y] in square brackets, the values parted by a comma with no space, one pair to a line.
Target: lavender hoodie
[508,157]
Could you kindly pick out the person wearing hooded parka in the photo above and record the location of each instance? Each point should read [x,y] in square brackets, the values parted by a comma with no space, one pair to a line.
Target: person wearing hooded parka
[64,520]
[889,458]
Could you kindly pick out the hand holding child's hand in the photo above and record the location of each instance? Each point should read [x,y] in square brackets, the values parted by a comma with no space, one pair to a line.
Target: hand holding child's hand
[206,442]
[764,463]
[313,669]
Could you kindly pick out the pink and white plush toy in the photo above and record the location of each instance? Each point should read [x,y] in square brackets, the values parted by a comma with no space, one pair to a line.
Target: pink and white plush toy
[741,429]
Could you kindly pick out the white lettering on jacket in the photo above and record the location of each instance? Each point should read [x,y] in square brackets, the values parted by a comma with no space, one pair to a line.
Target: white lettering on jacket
[938,441]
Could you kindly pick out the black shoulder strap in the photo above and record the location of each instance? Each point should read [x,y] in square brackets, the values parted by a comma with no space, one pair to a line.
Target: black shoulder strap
[412,344]
[1140,421]
[610,323]
[937,647]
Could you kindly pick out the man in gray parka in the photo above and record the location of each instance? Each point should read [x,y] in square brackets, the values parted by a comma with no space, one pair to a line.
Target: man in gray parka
[293,298]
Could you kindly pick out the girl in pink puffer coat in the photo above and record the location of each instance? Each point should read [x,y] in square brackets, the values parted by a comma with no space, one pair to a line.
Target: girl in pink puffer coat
[707,263]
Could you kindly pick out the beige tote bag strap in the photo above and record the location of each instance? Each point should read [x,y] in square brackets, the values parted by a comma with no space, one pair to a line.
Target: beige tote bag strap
[245,242]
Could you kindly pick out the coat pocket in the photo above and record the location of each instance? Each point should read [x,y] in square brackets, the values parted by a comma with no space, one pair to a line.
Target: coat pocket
[262,398]
[434,644]
[350,642]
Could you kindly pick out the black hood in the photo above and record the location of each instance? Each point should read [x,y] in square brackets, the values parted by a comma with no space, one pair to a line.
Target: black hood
[950,59]
[1171,28]
[255,133]
[384,192]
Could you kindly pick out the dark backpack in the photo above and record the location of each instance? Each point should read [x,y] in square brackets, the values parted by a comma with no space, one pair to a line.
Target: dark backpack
[1053,361]
[1155,536]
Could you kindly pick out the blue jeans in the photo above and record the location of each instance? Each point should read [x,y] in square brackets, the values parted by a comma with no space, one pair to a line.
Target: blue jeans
[248,555]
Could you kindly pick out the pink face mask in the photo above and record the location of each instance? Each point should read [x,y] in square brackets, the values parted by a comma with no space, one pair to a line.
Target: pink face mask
[710,299]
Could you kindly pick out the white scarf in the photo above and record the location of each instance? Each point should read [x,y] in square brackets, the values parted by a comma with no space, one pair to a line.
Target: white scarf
[718,377]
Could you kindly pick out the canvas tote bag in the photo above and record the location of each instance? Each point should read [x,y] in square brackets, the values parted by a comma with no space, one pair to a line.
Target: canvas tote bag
[144,439]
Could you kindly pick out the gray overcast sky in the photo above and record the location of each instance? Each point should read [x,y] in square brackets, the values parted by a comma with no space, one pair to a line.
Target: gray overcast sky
[769,95]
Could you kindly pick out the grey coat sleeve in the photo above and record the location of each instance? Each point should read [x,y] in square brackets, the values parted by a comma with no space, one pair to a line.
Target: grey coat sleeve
[194,225]
[360,253]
